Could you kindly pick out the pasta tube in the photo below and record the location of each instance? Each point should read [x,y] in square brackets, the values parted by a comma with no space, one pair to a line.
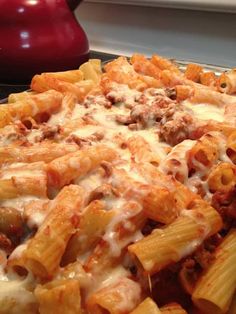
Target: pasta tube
[208,79]
[91,71]
[141,150]
[158,202]
[63,170]
[93,222]
[124,228]
[215,289]
[17,186]
[182,195]
[204,153]
[222,178]
[62,295]
[122,72]
[172,308]
[231,147]
[44,151]
[147,306]
[44,251]
[144,66]
[5,116]
[19,96]
[201,94]
[16,261]
[48,82]
[164,63]
[16,296]
[193,72]
[76,271]
[39,83]
[177,240]
[227,82]
[182,92]
[26,179]
[175,162]
[118,298]
[47,102]
[35,212]
[212,125]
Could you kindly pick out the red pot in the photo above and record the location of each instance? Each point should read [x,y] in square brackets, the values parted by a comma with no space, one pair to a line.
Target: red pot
[38,36]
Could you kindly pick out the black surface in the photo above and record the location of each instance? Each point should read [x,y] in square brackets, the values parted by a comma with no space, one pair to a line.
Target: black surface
[6,89]
[102,55]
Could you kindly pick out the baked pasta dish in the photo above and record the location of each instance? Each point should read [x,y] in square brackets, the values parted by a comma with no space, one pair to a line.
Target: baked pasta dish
[118,191]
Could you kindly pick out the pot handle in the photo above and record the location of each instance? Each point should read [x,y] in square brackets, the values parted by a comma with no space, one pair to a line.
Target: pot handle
[73,4]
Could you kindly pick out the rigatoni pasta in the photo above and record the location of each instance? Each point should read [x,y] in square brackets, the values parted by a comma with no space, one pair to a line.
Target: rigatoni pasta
[65,292]
[215,289]
[179,239]
[63,170]
[147,306]
[118,191]
[43,253]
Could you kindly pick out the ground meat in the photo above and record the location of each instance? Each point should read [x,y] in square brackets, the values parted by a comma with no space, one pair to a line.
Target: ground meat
[160,109]
[150,107]
[12,133]
[149,226]
[98,100]
[203,257]
[123,119]
[13,137]
[188,275]
[5,243]
[85,141]
[49,131]
[192,267]
[225,204]
[177,129]
[166,288]
[141,114]
[107,168]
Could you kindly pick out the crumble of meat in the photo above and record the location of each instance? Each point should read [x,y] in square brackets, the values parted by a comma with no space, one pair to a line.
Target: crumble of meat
[193,266]
[225,204]
[177,129]
[85,141]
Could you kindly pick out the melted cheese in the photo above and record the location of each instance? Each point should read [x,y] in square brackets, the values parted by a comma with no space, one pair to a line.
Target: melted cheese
[17,253]
[110,277]
[16,297]
[195,243]
[205,111]
[111,236]
[128,96]
[36,219]
[130,293]
[176,162]
[91,182]
[114,135]
[19,202]
[88,130]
